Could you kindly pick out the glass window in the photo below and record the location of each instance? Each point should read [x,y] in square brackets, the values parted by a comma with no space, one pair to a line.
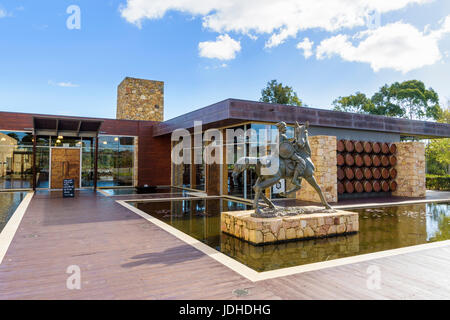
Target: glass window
[115,161]
[16,159]
[87,166]
[181,173]
[42,162]
[65,142]
[199,169]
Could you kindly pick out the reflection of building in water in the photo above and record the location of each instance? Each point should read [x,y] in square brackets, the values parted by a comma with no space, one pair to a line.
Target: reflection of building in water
[393,227]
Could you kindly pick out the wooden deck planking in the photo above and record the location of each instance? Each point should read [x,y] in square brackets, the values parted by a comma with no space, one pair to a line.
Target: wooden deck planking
[123,256]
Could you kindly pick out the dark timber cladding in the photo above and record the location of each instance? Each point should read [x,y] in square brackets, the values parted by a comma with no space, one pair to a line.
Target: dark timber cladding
[232,111]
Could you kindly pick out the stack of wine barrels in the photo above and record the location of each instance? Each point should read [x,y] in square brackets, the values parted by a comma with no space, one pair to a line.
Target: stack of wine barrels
[365,166]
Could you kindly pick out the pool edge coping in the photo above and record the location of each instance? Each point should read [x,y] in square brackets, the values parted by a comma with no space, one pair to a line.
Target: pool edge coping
[256,276]
[10,229]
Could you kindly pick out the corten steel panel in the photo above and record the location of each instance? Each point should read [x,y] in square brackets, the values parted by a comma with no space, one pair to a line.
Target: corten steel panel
[154,158]
[208,115]
[233,111]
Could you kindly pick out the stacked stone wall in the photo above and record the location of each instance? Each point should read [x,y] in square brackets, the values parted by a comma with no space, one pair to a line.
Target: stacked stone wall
[139,99]
[323,155]
[410,170]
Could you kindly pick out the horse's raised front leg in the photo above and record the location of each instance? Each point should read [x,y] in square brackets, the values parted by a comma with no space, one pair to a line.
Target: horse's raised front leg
[312,181]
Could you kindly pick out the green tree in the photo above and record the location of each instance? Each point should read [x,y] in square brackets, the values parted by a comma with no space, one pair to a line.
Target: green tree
[444,116]
[438,150]
[408,99]
[275,92]
[357,103]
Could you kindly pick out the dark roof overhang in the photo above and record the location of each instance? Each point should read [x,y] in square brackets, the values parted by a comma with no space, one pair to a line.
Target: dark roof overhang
[233,111]
[64,126]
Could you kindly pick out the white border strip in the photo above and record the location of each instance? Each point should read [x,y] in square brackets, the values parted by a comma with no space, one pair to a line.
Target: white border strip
[255,276]
[8,232]
[390,204]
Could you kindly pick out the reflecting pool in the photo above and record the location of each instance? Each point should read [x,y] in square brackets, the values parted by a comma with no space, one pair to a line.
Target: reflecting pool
[380,229]
[9,201]
[159,190]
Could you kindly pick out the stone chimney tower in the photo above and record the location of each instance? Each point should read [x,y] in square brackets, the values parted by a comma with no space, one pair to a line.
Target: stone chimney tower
[140,99]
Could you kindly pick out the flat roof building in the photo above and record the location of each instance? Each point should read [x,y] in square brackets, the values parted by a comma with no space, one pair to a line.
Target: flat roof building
[39,151]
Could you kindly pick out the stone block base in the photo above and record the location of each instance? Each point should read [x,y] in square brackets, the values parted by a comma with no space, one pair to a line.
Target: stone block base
[259,231]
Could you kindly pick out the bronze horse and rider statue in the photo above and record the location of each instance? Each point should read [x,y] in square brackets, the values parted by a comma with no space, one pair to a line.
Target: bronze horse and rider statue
[294,164]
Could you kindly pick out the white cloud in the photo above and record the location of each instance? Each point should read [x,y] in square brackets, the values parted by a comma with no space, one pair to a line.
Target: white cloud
[399,46]
[224,48]
[63,84]
[307,46]
[3,13]
[280,19]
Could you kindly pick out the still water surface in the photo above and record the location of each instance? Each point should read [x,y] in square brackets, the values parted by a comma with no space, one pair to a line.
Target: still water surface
[9,201]
[380,229]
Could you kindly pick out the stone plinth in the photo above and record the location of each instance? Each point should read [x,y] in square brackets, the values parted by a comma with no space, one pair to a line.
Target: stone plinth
[259,231]
[323,155]
[410,170]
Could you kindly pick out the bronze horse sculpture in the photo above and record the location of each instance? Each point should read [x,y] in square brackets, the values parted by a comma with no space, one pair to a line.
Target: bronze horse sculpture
[286,170]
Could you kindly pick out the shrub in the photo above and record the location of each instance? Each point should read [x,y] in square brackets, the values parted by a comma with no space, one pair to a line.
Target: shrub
[441,183]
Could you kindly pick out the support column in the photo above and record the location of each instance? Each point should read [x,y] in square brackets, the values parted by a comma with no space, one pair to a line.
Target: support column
[34,161]
[410,170]
[96,163]
[323,155]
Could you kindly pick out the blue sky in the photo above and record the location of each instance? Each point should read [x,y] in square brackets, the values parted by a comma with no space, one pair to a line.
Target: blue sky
[47,68]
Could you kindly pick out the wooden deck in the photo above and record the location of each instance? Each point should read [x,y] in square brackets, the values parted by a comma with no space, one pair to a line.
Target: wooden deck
[123,256]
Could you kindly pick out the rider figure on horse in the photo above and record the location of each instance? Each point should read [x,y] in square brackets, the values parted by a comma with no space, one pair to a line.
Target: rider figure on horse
[287,151]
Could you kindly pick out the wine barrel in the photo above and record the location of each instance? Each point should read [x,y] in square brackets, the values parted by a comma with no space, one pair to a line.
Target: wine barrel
[358,160]
[392,148]
[376,173]
[349,173]
[376,147]
[376,161]
[367,147]
[393,173]
[384,148]
[340,174]
[367,173]
[367,160]
[392,160]
[393,185]
[340,160]
[376,186]
[340,187]
[349,145]
[385,173]
[358,186]
[367,186]
[359,146]
[349,160]
[358,174]
[384,186]
[384,161]
[349,187]
[340,146]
